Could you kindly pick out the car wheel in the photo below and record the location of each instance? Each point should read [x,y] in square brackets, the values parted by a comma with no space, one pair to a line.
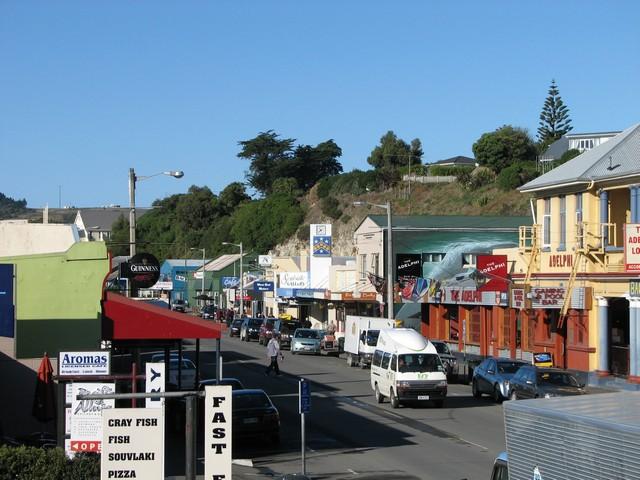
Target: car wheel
[497,396]
[395,403]
[513,396]
[293,352]
[379,397]
[474,389]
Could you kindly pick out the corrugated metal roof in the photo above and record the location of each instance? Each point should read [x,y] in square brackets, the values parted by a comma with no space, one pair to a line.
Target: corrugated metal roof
[177,262]
[221,262]
[101,219]
[556,149]
[449,222]
[617,157]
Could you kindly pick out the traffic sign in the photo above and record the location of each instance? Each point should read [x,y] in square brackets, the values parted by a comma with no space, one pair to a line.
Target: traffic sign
[305,396]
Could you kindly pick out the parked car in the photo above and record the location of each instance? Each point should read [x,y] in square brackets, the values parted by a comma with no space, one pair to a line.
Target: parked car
[492,376]
[250,329]
[533,382]
[286,328]
[329,344]
[180,305]
[448,359]
[186,369]
[234,327]
[266,331]
[306,340]
[254,415]
[209,311]
[233,382]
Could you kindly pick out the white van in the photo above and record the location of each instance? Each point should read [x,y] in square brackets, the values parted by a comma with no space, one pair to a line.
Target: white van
[406,368]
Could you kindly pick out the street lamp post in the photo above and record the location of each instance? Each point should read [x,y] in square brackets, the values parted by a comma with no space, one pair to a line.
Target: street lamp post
[239,245]
[387,207]
[203,265]
[133,178]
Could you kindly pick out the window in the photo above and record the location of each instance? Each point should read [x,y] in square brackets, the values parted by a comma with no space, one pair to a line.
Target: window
[394,363]
[454,327]
[385,360]
[431,257]
[474,325]
[375,261]
[468,259]
[563,222]
[546,225]
[377,358]
[362,266]
[506,330]
[579,231]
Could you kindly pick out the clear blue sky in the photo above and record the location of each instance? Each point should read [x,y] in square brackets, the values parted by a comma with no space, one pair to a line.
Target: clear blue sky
[89,89]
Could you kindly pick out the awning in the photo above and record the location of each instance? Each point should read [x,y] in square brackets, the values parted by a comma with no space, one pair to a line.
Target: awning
[127,319]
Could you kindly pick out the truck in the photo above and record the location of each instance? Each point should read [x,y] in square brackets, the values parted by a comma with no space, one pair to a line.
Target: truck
[588,437]
[361,336]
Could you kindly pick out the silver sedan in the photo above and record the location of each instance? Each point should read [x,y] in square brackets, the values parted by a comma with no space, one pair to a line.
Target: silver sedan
[306,340]
[492,376]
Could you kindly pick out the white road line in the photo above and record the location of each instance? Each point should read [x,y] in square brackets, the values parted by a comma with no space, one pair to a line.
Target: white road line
[352,472]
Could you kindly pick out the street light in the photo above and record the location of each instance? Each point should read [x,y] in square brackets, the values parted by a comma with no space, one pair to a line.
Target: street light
[387,207]
[239,245]
[203,263]
[133,178]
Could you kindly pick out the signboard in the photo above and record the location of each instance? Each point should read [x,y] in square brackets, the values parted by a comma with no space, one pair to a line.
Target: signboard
[494,269]
[553,297]
[408,265]
[84,363]
[7,308]
[293,280]
[362,296]
[143,270]
[86,416]
[163,286]
[470,296]
[217,432]
[543,359]
[632,247]
[322,246]
[265,260]
[518,298]
[133,443]
[263,286]
[634,288]
[305,396]
[230,282]
[155,381]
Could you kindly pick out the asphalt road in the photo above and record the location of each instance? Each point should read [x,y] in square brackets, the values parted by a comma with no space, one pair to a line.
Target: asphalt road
[348,435]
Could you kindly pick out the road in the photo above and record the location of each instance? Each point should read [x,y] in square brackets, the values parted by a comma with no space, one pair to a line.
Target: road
[349,436]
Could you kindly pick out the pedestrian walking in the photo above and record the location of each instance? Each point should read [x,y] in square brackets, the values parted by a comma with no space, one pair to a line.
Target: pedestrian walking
[273,352]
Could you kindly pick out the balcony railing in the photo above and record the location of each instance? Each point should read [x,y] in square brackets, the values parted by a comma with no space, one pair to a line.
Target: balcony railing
[595,237]
[529,237]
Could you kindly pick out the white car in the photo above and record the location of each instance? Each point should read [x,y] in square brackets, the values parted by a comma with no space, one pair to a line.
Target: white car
[187,370]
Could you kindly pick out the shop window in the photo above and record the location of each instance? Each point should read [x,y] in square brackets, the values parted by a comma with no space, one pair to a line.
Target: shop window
[454,325]
[432,257]
[375,260]
[506,330]
[362,266]
[546,223]
[577,328]
[474,325]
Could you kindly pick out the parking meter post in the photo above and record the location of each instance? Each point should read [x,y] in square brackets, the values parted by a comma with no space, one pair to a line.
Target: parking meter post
[218,361]
[304,459]
[190,438]
[220,369]
[304,406]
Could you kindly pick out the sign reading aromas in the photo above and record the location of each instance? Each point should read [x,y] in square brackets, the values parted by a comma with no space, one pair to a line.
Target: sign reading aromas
[84,363]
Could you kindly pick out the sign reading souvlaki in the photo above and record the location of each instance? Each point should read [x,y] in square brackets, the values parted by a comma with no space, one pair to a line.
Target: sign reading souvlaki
[84,363]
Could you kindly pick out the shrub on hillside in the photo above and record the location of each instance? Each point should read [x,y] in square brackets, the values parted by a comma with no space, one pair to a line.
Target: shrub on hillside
[472,180]
[46,464]
[516,175]
[324,187]
[331,206]
[448,171]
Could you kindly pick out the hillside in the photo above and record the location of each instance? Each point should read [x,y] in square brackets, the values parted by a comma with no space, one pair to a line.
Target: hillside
[433,199]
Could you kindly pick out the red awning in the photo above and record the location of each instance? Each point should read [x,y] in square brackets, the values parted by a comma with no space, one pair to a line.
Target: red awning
[126,319]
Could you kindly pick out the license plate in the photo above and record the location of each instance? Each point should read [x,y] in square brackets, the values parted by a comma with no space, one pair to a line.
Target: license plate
[423,397]
[250,420]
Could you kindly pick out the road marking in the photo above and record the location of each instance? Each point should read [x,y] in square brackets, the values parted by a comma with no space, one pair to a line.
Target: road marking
[352,472]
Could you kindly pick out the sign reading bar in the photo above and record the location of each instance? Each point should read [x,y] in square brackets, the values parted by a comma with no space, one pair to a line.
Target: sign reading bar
[632,247]
[553,297]
[634,288]
[217,432]
[133,443]
[84,363]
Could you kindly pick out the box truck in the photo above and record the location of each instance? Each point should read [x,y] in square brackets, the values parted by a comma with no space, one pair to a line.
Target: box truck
[361,336]
[406,368]
[590,437]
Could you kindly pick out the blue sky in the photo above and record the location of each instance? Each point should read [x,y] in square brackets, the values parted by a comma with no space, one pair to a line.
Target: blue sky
[90,89]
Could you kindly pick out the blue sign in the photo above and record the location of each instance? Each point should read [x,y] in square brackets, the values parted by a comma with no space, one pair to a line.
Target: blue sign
[7,308]
[230,282]
[305,292]
[263,286]
[305,396]
[322,246]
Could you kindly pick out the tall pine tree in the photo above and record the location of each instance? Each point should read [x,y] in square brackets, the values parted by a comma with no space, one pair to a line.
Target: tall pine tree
[554,118]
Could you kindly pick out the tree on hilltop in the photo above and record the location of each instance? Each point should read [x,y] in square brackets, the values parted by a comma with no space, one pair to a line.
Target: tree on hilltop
[504,147]
[554,118]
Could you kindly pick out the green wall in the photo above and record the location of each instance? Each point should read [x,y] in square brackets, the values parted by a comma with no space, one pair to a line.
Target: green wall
[58,299]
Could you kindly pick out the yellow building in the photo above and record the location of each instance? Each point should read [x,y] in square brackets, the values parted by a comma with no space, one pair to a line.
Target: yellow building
[575,285]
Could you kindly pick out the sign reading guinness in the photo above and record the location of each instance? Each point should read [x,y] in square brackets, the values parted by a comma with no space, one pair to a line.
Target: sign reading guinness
[144,270]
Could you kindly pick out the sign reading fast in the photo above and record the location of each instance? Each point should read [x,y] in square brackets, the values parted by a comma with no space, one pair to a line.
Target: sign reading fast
[217,432]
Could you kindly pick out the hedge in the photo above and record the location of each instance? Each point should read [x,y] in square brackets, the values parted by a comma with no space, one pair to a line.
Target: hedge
[27,463]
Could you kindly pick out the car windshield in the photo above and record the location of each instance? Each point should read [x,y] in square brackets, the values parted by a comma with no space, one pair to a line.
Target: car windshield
[372,337]
[307,334]
[508,367]
[290,327]
[186,364]
[419,362]
[253,400]
[442,348]
[558,379]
